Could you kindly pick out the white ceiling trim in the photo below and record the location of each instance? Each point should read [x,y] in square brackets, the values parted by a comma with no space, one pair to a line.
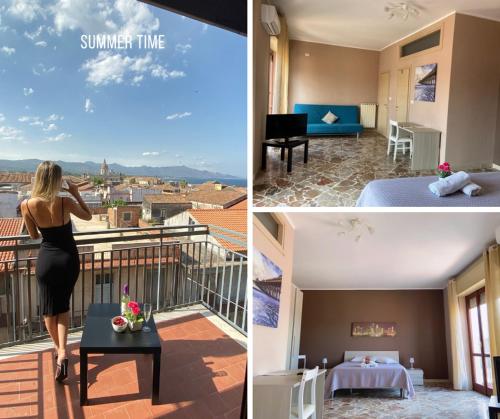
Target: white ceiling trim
[339,45]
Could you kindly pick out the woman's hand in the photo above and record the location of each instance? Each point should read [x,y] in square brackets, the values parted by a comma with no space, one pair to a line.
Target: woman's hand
[72,188]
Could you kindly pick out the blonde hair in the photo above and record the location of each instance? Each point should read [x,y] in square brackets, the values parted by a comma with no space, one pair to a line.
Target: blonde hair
[47,181]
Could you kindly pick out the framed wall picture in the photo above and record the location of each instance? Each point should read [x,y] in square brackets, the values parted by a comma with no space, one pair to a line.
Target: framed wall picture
[267,278]
[425,83]
[373,329]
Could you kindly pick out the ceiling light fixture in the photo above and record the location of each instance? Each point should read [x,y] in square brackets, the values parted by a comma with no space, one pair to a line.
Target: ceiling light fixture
[353,227]
[401,10]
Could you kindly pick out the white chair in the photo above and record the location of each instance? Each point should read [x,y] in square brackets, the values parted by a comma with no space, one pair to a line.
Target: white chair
[400,140]
[306,410]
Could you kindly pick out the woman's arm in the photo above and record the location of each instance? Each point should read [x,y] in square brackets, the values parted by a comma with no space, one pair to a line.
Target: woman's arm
[79,208]
[28,221]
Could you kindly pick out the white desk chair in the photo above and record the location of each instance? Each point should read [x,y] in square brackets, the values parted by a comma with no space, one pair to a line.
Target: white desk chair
[400,140]
[306,410]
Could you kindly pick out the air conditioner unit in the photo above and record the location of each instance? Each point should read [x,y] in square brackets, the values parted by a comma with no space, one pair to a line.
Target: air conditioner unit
[270,19]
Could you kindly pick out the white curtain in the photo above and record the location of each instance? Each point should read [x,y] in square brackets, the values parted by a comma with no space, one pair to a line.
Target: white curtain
[462,379]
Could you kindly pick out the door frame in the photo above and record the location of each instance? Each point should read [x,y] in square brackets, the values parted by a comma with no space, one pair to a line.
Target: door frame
[388,73]
[407,104]
[477,387]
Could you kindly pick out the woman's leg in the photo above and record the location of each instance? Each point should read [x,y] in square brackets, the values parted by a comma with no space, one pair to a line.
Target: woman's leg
[62,331]
[51,325]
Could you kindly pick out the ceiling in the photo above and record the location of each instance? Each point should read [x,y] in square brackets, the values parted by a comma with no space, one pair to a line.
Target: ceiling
[406,250]
[365,24]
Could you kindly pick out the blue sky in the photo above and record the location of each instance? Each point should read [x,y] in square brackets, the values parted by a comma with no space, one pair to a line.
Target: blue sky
[183,105]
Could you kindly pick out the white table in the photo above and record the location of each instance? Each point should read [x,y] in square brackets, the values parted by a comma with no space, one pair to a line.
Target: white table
[416,375]
[426,146]
[273,394]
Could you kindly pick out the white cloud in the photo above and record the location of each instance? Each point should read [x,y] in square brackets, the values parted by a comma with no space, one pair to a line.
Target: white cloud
[2,117]
[183,49]
[151,153]
[26,10]
[7,50]
[35,34]
[115,68]
[10,134]
[178,116]
[50,127]
[42,44]
[28,91]
[54,117]
[58,138]
[104,16]
[89,106]
[40,69]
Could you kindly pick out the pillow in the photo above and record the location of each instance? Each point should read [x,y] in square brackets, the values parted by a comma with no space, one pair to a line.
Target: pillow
[329,118]
[385,360]
[358,359]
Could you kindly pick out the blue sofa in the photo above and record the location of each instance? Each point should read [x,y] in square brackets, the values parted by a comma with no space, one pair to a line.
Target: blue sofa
[348,122]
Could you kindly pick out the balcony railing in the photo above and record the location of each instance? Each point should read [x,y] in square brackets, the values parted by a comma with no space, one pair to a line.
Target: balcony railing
[169,267]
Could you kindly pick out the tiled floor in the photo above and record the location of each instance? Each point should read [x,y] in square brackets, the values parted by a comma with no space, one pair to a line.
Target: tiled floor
[337,171]
[429,402]
[202,377]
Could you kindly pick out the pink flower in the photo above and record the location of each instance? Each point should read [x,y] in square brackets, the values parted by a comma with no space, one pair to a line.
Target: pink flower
[440,167]
[136,311]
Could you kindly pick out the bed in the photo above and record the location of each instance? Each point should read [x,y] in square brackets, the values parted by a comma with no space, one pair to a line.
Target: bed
[349,375]
[414,192]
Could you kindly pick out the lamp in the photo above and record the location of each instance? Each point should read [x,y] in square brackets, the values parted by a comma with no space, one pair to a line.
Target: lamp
[412,361]
[324,362]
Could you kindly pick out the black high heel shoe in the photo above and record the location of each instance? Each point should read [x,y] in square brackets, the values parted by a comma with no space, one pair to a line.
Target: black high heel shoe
[62,371]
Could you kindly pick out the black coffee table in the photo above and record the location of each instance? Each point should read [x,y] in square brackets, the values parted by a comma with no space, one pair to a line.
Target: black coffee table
[286,144]
[100,338]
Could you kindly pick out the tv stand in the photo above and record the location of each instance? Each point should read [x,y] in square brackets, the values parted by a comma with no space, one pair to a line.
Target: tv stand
[285,144]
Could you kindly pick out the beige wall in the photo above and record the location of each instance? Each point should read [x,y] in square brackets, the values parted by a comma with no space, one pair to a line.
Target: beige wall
[332,74]
[474,94]
[261,52]
[271,346]
[496,157]
[431,114]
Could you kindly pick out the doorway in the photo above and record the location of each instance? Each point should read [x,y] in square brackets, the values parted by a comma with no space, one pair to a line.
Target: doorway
[403,87]
[479,342]
[383,103]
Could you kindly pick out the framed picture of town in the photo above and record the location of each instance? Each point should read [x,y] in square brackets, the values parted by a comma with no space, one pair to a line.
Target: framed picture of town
[373,329]
[267,278]
[425,83]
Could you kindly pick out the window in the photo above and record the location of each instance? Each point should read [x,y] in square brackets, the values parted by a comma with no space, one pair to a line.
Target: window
[426,42]
[127,216]
[108,279]
[271,224]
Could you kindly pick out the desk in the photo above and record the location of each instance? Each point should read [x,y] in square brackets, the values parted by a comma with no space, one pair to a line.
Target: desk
[426,145]
[273,394]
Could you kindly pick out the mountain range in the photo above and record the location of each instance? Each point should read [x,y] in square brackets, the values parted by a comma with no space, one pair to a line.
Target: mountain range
[92,168]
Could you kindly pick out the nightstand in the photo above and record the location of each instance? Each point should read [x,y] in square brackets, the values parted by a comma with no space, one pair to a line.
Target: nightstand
[417,376]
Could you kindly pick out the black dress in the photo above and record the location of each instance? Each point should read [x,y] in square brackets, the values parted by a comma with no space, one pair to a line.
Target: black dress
[57,266]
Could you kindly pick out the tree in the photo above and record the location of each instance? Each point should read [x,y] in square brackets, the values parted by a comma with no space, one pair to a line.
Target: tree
[97,181]
[183,183]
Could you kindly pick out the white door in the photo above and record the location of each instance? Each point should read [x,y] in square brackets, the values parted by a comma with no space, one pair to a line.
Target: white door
[383,103]
[296,328]
[403,88]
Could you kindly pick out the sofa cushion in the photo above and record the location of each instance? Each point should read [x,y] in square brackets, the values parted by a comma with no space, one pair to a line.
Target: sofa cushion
[347,114]
[329,118]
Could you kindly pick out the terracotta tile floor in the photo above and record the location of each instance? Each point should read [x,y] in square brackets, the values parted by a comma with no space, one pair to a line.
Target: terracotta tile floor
[338,170]
[202,377]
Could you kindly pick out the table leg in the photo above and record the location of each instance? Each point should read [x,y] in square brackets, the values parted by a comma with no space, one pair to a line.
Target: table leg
[306,151]
[282,153]
[289,163]
[264,157]
[83,377]
[155,399]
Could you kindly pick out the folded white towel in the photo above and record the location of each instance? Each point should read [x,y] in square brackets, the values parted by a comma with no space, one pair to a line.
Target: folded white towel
[471,189]
[370,364]
[450,184]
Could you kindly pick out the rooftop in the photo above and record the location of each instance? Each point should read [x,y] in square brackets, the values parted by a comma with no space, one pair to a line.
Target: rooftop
[228,220]
[226,197]
[9,227]
[166,199]
[240,205]
[16,177]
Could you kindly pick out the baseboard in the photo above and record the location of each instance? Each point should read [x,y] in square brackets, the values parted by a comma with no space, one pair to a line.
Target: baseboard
[436,380]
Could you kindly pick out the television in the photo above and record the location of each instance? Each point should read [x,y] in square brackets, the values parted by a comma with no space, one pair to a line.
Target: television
[496,363]
[286,126]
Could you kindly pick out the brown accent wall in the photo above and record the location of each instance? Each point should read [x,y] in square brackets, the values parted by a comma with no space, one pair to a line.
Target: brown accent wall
[474,93]
[419,314]
[332,74]
[430,114]
[261,53]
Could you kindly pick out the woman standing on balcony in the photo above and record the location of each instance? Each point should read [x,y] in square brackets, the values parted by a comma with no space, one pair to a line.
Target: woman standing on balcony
[58,263]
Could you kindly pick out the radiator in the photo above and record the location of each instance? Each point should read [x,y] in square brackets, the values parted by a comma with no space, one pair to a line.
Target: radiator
[368,115]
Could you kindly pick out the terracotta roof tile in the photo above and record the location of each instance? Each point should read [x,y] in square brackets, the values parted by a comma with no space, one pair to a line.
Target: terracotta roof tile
[9,227]
[166,199]
[226,197]
[240,205]
[227,219]
[7,177]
